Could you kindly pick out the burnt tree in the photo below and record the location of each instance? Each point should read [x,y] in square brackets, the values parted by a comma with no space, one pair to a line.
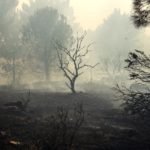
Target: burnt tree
[71,60]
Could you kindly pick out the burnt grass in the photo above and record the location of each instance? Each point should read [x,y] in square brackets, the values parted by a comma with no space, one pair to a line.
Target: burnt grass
[51,122]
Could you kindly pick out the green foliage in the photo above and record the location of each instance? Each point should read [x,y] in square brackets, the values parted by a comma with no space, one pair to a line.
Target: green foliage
[141,14]
[136,100]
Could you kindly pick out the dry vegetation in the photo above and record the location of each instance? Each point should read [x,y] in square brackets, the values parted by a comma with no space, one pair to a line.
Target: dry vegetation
[61,121]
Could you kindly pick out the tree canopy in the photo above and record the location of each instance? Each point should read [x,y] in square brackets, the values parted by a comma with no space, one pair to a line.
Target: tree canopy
[141,13]
[43,29]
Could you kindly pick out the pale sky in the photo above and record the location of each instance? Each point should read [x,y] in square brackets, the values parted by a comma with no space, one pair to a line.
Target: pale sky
[91,13]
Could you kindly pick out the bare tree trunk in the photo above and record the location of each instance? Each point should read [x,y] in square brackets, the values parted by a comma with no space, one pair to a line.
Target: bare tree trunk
[46,65]
[72,87]
[47,73]
[13,71]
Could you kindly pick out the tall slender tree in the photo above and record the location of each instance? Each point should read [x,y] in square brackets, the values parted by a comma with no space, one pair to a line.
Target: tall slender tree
[10,40]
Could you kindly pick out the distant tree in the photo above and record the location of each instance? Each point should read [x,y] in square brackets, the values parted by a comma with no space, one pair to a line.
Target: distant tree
[71,60]
[42,29]
[6,16]
[112,43]
[12,65]
[141,13]
[62,6]
[113,68]
[10,42]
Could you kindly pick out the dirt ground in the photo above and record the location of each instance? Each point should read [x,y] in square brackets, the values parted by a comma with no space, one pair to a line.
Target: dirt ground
[104,126]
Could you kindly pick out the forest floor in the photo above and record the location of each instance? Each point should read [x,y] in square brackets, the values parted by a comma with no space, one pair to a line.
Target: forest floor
[105,127]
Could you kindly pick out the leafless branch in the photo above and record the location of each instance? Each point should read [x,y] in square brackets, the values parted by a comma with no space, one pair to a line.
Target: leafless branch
[71,60]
